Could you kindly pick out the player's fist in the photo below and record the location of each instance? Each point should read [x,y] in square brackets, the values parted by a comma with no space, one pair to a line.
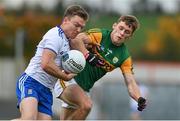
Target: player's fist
[141,103]
[93,60]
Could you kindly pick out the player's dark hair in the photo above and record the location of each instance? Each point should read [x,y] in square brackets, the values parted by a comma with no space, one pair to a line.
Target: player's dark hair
[131,21]
[76,10]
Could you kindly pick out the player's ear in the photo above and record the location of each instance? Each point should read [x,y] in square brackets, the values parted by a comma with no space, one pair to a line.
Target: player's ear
[114,25]
[65,19]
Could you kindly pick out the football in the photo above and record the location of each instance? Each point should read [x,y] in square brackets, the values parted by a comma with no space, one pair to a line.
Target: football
[73,61]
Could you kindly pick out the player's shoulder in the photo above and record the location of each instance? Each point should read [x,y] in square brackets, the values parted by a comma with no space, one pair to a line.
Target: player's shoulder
[94,30]
[55,33]
[52,31]
[98,30]
[100,33]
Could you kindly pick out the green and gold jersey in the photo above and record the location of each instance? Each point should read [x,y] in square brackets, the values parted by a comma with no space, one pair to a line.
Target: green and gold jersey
[112,56]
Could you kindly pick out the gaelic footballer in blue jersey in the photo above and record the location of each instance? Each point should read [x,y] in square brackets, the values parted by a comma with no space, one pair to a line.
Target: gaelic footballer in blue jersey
[34,86]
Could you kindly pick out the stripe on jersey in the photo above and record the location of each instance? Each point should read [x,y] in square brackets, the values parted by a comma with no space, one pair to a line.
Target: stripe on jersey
[62,84]
[61,32]
[21,85]
[51,50]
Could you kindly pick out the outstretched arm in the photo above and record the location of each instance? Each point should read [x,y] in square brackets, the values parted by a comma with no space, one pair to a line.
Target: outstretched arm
[131,84]
[134,91]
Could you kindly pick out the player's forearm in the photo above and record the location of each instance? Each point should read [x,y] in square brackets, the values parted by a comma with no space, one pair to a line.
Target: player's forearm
[54,70]
[132,86]
[79,43]
[133,90]
[49,66]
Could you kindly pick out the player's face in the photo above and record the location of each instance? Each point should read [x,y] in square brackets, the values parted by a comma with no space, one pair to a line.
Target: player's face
[73,26]
[120,33]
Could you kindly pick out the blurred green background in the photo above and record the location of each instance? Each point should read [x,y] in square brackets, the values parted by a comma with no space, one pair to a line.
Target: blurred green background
[157,39]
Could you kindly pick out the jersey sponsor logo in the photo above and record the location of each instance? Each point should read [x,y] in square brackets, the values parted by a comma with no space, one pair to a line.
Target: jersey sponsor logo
[107,67]
[102,51]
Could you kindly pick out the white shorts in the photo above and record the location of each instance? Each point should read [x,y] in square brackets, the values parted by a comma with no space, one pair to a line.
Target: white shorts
[61,85]
[59,88]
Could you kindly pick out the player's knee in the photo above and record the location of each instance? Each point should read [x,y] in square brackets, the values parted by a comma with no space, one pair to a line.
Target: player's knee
[87,105]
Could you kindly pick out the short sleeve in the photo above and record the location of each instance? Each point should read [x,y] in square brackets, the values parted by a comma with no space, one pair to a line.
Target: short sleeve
[126,67]
[53,41]
[52,44]
[95,35]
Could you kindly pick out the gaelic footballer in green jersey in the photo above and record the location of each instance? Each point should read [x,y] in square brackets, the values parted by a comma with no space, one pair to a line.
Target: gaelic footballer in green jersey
[104,50]
[112,57]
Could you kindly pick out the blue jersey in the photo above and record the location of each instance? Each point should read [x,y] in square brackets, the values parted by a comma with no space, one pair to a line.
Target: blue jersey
[56,41]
